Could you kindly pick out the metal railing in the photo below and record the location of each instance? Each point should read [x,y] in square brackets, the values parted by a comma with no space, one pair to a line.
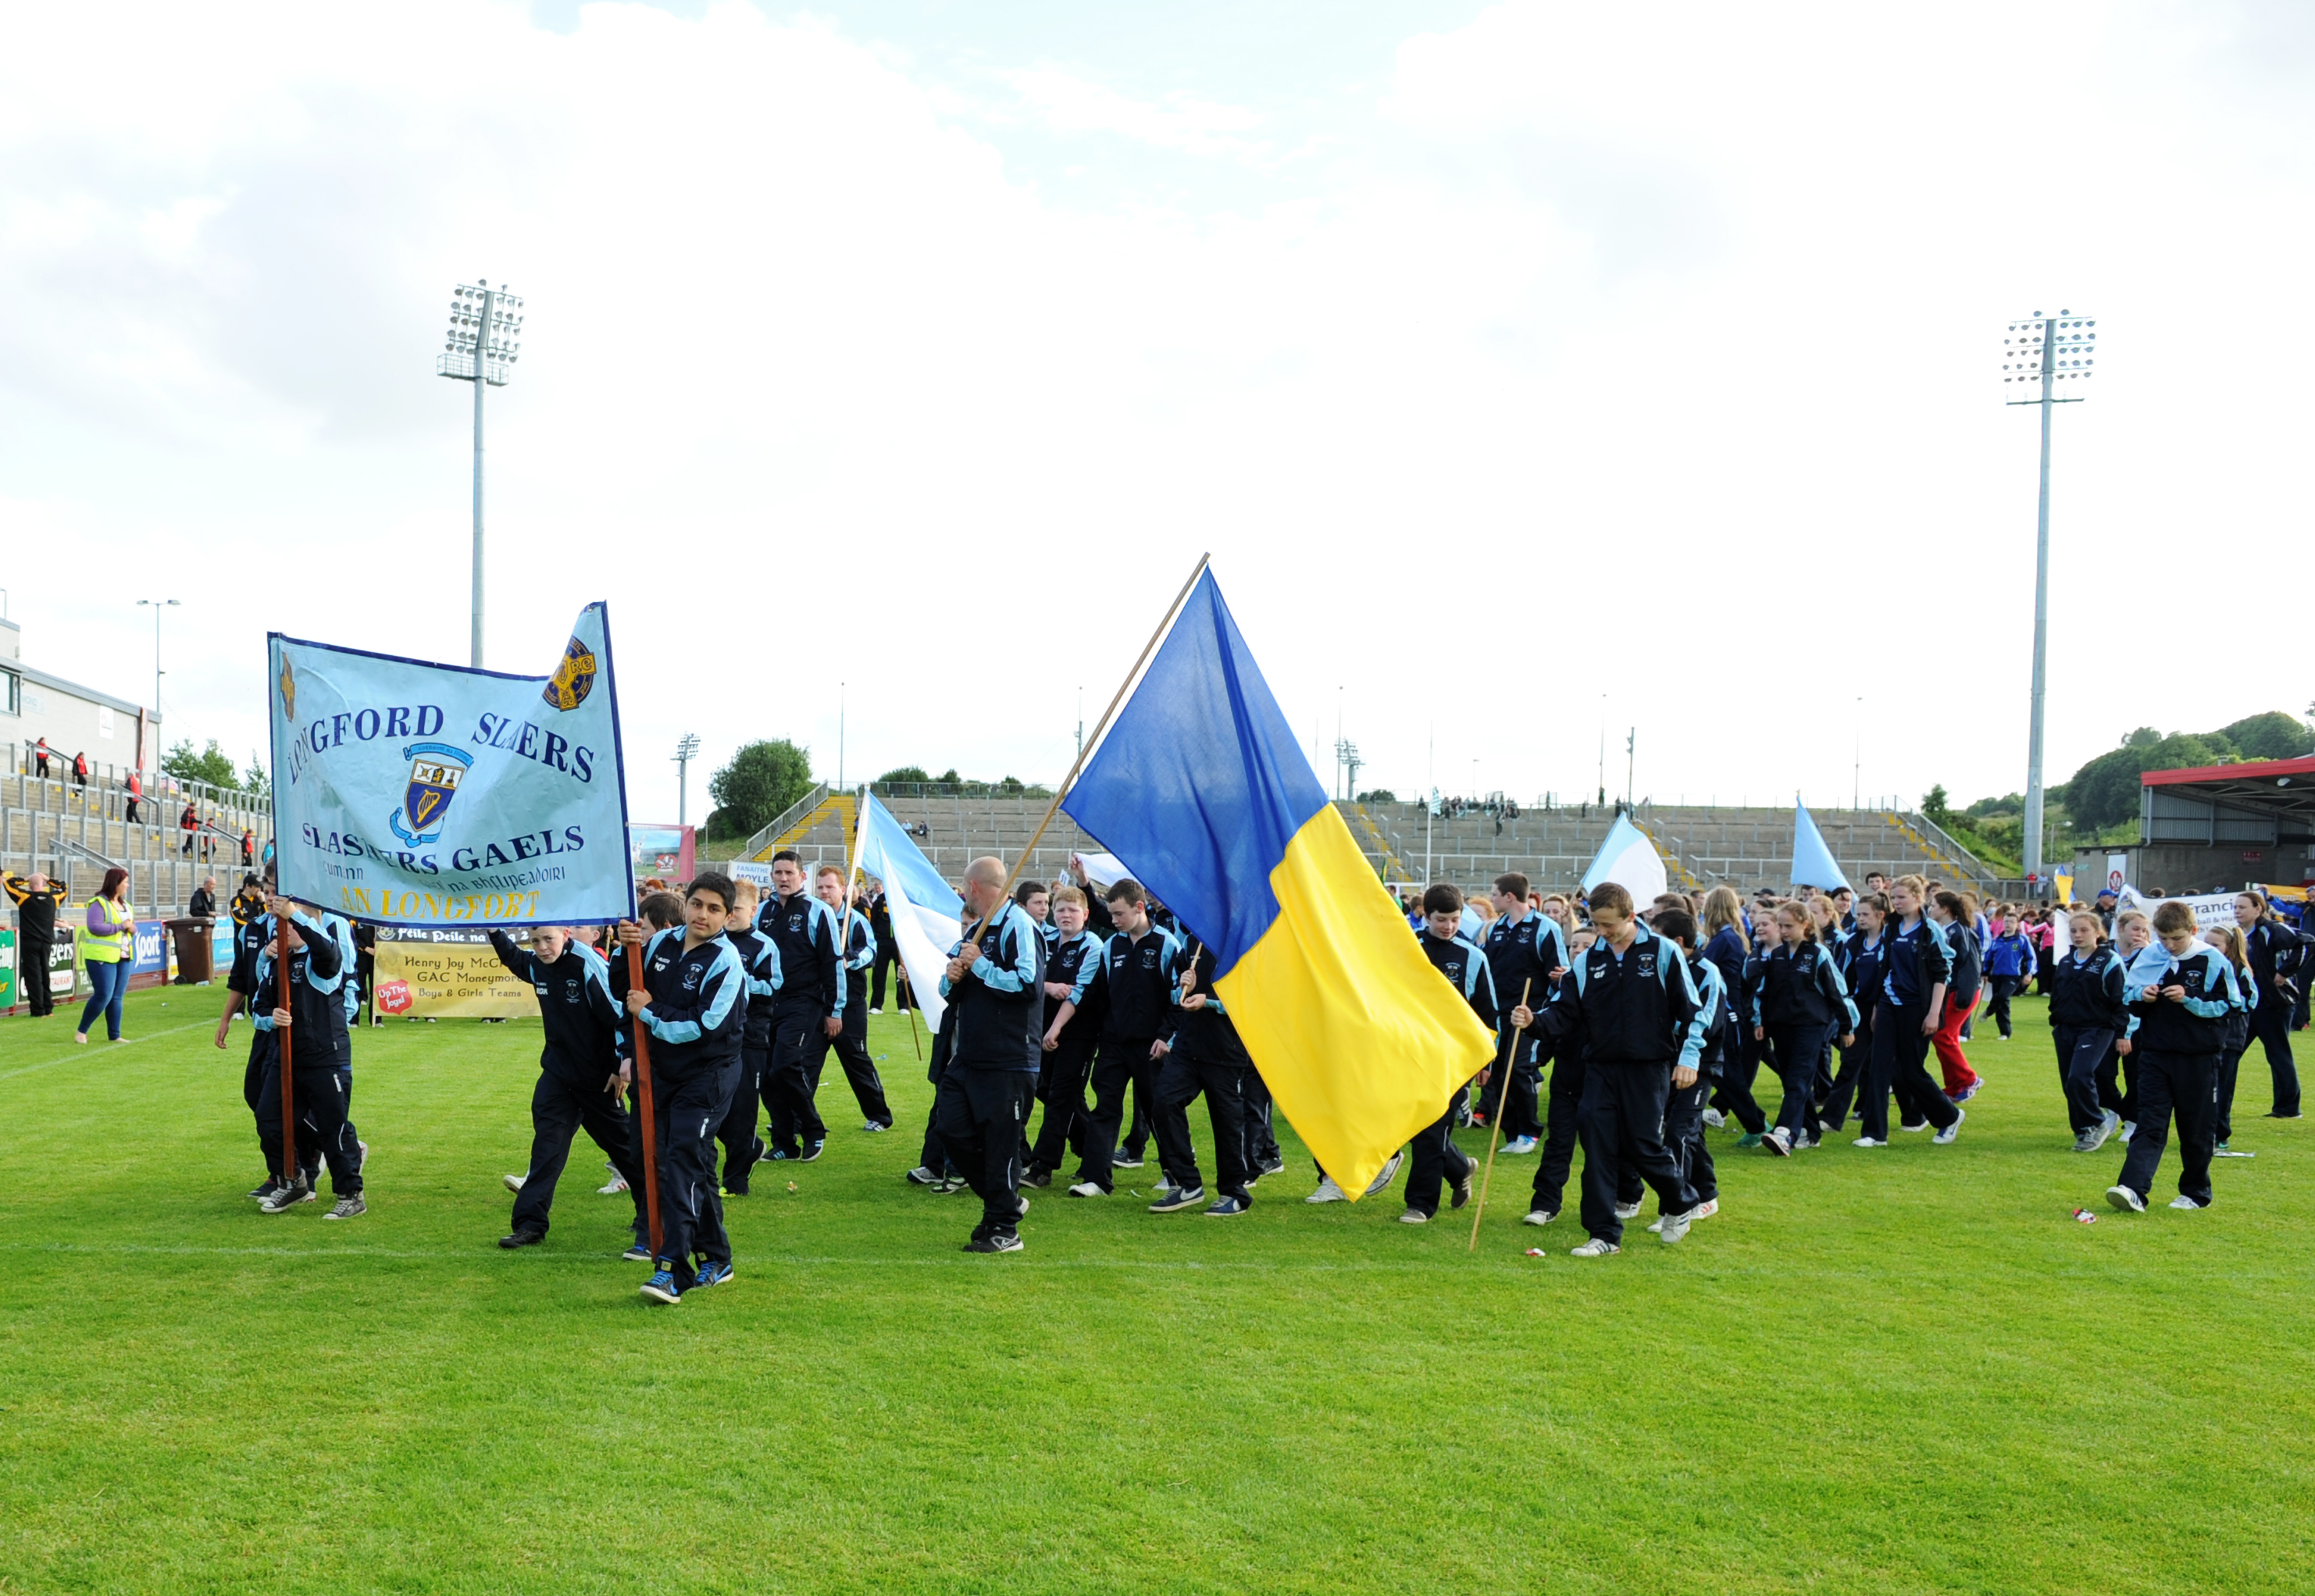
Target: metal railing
[1959,857]
[786,818]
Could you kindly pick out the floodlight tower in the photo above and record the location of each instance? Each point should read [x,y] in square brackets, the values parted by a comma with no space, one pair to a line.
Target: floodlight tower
[2044,361]
[481,347]
[687,749]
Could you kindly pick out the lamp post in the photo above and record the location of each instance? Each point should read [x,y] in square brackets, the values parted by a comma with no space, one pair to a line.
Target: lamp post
[481,348]
[2044,361]
[158,605]
[686,750]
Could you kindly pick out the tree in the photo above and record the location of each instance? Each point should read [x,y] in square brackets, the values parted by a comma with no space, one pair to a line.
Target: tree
[2273,735]
[257,779]
[2104,791]
[761,780]
[1937,805]
[905,773]
[210,765]
[1379,795]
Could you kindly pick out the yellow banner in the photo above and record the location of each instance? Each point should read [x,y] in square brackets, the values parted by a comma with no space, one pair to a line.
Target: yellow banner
[443,975]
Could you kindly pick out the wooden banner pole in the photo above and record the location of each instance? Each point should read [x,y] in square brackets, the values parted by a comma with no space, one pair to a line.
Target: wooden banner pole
[643,1096]
[1495,1120]
[292,1170]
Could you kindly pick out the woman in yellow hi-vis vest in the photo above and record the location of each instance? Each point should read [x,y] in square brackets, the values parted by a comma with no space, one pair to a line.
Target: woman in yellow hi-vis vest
[109,947]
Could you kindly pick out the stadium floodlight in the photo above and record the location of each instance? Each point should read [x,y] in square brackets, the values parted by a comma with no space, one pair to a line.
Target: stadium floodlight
[158,605]
[687,749]
[484,342]
[2045,360]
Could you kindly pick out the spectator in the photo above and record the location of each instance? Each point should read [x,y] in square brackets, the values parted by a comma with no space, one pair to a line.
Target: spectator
[204,903]
[248,849]
[40,758]
[189,823]
[135,785]
[36,898]
[80,771]
[107,949]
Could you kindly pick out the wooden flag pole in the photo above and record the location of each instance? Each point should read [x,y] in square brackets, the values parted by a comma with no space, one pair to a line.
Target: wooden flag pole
[643,1096]
[908,1001]
[1495,1120]
[1006,892]
[293,1169]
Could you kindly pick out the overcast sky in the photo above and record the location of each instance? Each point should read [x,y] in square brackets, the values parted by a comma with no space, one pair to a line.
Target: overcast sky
[1525,367]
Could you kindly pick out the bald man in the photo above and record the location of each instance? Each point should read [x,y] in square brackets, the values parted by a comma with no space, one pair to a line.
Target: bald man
[36,898]
[994,984]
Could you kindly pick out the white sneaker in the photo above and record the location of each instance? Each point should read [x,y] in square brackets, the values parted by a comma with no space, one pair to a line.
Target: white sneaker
[1706,1209]
[1389,1174]
[874,1126]
[1656,1225]
[619,1183]
[512,1182]
[1594,1249]
[1675,1226]
[1944,1137]
[1519,1145]
[2122,1197]
[1540,1216]
[1715,1118]
[1778,1143]
[2129,1127]
[1867,1141]
[2183,1201]
[1328,1191]
[1416,1216]
[1086,1189]
[1628,1210]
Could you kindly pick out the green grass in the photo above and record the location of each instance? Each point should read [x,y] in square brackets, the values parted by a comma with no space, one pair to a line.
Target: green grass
[1897,1372]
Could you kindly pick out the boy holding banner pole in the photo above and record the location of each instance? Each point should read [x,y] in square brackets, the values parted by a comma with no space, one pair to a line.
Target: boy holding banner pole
[300,986]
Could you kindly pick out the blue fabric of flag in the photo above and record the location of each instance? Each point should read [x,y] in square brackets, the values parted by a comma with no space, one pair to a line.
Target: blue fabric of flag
[1200,782]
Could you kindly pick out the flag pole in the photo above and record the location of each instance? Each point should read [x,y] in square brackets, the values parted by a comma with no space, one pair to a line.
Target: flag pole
[1495,1120]
[852,875]
[910,1003]
[643,1093]
[1063,791]
[292,1170]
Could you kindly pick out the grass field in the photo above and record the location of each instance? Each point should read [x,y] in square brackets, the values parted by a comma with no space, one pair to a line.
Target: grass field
[1895,1371]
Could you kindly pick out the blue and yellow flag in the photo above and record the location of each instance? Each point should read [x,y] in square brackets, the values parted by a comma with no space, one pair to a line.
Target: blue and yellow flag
[1200,789]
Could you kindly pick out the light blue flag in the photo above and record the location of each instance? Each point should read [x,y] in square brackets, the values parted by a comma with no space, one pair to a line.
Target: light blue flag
[414,794]
[927,915]
[1813,865]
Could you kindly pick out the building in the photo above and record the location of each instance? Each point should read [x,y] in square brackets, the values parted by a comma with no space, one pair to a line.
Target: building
[2214,828]
[117,735]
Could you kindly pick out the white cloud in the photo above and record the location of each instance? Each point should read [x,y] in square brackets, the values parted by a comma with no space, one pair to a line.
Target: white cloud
[1069,102]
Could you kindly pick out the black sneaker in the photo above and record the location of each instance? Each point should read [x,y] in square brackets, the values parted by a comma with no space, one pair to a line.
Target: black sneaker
[1178,1199]
[265,1191]
[1462,1188]
[811,1152]
[995,1241]
[527,1236]
[1034,1177]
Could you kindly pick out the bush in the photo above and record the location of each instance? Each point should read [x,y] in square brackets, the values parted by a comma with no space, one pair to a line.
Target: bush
[762,779]
[212,765]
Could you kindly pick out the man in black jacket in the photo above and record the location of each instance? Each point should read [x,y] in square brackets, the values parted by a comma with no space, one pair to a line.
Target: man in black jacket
[307,1002]
[993,984]
[581,1075]
[36,898]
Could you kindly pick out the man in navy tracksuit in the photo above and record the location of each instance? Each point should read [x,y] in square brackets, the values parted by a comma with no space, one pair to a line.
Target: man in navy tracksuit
[1435,1156]
[694,1005]
[808,1010]
[1077,1000]
[1633,1003]
[760,969]
[1143,962]
[851,1041]
[1204,1056]
[580,1074]
[2181,990]
[2089,1019]
[993,984]
[308,1001]
[1527,954]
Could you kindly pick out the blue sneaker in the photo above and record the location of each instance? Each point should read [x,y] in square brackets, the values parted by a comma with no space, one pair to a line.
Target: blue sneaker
[712,1274]
[640,1253]
[661,1287]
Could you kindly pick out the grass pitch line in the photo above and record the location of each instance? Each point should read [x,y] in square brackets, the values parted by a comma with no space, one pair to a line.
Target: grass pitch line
[90,1050]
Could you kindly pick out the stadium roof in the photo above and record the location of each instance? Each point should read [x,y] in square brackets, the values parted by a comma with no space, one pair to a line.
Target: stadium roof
[2281,789]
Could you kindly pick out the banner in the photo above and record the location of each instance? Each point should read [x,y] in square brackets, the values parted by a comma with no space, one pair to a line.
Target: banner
[1813,865]
[2063,879]
[438,974]
[2211,909]
[664,851]
[64,969]
[7,967]
[407,794]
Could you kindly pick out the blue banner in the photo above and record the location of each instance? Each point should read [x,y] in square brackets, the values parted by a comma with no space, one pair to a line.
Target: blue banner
[407,793]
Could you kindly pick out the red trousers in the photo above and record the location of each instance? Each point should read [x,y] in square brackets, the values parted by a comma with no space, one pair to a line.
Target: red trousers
[1959,1076]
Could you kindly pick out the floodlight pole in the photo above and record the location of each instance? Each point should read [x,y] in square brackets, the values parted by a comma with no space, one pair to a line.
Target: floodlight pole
[2080,345]
[482,364]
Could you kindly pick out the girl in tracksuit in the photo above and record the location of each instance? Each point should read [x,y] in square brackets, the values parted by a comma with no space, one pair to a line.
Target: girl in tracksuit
[1955,918]
[1914,969]
[1727,947]
[1798,998]
[2274,954]
[2088,1020]
[2181,991]
[2009,965]
[2238,1027]
[1857,956]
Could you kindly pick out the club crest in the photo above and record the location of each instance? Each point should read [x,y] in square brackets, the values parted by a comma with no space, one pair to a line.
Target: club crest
[288,690]
[435,769]
[573,679]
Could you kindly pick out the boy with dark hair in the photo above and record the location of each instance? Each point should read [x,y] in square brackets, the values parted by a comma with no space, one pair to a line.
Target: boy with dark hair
[1035,901]
[692,1003]
[1684,1131]
[1527,953]
[760,969]
[851,1041]
[1630,997]
[1204,1056]
[2182,990]
[992,985]
[810,1008]
[307,1000]
[1076,1000]
[1467,970]
[580,1072]
[252,930]
[1141,967]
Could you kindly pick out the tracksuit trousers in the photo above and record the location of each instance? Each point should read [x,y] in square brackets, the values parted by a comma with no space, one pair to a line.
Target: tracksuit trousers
[1511,1097]
[559,1109]
[797,1043]
[1123,1062]
[2184,1085]
[1684,1137]
[979,1114]
[1561,1112]
[322,1098]
[1733,1091]
[1796,1048]
[1621,1119]
[1179,1083]
[685,1116]
[2080,1051]
[737,1133]
[1849,1081]
[1951,1060]
[1067,1125]
[1433,1158]
[2002,987]
[851,1048]
[2271,1023]
[1900,1049]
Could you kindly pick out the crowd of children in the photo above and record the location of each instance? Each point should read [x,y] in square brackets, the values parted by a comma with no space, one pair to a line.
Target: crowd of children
[1072,1002]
